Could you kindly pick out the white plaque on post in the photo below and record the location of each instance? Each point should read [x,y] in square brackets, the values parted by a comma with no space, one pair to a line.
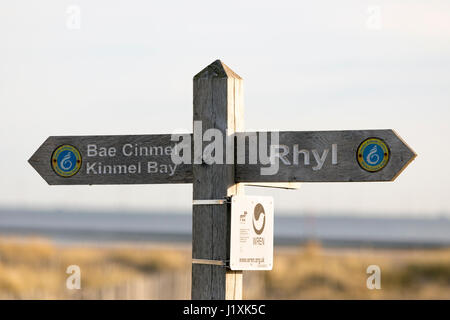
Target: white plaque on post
[251,243]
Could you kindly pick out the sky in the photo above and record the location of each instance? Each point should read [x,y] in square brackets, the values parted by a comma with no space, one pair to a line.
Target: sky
[126,67]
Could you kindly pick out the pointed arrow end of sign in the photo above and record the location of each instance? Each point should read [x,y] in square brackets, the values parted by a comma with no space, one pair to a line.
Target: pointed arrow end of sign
[408,155]
[217,69]
[36,160]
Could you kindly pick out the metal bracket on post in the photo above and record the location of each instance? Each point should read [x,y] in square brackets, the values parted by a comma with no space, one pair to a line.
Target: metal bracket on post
[225,264]
[226,200]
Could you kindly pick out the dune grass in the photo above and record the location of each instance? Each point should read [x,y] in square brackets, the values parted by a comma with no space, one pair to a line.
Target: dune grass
[36,269]
[313,273]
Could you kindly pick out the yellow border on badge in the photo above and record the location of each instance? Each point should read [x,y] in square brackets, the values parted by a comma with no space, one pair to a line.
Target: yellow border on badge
[55,165]
[361,161]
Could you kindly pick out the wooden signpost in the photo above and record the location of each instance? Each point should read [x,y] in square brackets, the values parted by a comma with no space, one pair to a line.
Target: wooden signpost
[304,156]
[274,159]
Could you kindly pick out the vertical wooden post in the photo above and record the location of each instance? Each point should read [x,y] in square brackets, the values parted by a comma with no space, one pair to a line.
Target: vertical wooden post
[218,103]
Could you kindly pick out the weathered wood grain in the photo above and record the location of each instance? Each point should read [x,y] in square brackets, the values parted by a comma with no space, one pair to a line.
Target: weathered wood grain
[218,104]
[41,160]
[347,168]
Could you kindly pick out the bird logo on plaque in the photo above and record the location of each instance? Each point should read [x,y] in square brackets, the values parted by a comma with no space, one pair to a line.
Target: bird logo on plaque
[66,160]
[259,219]
[373,154]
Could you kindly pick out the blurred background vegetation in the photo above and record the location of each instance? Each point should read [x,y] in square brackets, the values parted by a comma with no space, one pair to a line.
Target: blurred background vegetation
[35,268]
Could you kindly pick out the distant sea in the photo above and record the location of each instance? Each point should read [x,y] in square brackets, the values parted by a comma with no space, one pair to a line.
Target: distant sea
[84,227]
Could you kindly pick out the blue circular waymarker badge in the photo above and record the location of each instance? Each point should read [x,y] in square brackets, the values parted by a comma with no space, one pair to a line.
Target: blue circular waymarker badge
[373,154]
[66,160]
